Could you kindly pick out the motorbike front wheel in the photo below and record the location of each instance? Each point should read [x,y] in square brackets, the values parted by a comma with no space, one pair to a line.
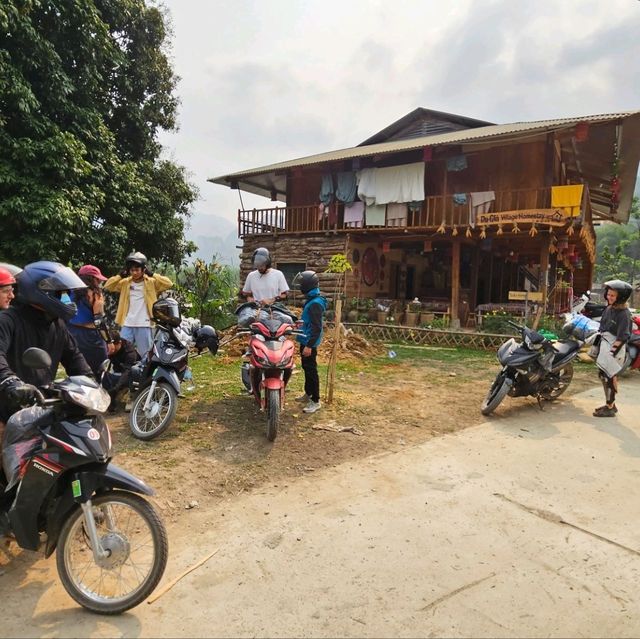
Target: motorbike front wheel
[496,394]
[132,532]
[273,412]
[149,423]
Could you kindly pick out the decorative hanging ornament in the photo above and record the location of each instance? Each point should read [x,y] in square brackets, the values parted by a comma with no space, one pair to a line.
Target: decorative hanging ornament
[516,228]
[442,228]
[483,233]
[533,231]
[570,230]
[468,232]
[499,231]
[455,230]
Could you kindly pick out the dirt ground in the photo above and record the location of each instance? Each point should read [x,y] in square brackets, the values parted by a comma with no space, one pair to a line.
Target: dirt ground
[216,449]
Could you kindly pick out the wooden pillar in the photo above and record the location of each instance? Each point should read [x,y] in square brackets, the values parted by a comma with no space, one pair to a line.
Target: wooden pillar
[455,283]
[544,269]
[475,268]
[489,293]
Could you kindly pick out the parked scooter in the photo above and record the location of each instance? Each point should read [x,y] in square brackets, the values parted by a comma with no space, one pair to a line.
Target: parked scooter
[533,367]
[155,382]
[58,479]
[270,361]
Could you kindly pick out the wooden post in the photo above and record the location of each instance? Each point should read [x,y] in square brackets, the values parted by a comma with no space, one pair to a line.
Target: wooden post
[333,359]
[544,269]
[455,284]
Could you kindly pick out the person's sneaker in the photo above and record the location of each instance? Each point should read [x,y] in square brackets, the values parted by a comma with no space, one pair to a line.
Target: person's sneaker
[605,411]
[303,398]
[311,407]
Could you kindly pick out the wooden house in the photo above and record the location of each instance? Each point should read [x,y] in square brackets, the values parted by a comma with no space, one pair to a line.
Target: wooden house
[454,211]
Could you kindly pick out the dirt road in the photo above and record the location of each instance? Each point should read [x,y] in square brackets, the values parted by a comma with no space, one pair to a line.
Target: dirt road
[519,526]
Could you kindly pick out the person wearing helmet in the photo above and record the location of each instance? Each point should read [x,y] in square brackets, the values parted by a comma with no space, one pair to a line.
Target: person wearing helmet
[312,320]
[138,288]
[87,325]
[264,285]
[37,318]
[615,330]
[7,293]
[123,356]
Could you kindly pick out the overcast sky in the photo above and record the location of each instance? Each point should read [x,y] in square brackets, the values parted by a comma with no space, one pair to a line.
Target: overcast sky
[269,80]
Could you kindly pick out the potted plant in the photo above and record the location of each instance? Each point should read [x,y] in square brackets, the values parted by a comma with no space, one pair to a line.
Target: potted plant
[382,311]
[411,312]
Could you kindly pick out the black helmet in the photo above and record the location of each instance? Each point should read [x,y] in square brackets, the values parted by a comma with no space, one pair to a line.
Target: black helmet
[261,257]
[206,337]
[306,281]
[42,283]
[167,311]
[624,290]
[136,259]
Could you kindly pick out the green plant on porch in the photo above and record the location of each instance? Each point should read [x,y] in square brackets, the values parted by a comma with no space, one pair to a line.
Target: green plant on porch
[437,322]
[498,322]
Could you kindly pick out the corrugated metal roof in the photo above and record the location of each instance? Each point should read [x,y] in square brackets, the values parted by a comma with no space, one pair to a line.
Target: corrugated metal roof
[454,137]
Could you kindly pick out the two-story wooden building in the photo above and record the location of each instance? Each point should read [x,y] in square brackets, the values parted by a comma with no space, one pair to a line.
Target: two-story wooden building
[449,209]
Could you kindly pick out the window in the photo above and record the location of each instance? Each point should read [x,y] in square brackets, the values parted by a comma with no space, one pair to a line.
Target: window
[291,269]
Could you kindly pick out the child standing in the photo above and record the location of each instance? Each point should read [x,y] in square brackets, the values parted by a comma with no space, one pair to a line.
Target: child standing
[312,318]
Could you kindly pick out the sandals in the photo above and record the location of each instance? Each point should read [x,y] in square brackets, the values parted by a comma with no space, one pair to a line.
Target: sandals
[605,411]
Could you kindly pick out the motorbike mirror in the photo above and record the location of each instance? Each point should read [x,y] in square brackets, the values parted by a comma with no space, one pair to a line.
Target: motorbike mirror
[36,358]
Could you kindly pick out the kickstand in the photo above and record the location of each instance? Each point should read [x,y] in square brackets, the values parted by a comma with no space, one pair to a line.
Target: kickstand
[540,406]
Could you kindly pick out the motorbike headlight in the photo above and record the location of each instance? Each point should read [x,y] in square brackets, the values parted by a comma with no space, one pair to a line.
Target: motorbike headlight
[95,400]
[285,360]
[262,360]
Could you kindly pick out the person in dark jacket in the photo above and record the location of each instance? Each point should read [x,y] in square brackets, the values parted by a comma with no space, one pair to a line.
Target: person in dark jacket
[123,356]
[37,319]
[87,325]
[312,319]
[615,331]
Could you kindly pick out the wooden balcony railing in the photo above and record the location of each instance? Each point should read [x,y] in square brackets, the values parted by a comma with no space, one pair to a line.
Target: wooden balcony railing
[435,210]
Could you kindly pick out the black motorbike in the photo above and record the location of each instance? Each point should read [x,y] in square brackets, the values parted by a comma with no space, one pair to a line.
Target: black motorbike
[533,367]
[58,479]
[155,382]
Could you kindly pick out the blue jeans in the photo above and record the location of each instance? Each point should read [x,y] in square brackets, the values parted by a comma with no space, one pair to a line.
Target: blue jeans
[140,336]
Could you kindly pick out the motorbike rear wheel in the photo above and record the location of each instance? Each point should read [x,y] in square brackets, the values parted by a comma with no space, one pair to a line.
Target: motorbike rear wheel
[565,375]
[158,417]
[131,530]
[496,394]
[273,413]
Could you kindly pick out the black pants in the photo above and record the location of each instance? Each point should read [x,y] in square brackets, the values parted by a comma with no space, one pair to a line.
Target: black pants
[311,377]
[91,345]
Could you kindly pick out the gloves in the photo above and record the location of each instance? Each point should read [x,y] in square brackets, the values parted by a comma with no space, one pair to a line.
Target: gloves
[22,394]
[147,272]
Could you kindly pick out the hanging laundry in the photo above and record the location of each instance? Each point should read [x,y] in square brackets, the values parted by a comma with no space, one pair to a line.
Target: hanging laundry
[457,163]
[375,214]
[354,214]
[403,183]
[480,202]
[459,198]
[326,189]
[568,198]
[347,187]
[396,214]
[416,206]
[366,179]
[333,214]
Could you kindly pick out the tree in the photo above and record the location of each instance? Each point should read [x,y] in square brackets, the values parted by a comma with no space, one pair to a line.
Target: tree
[618,248]
[85,87]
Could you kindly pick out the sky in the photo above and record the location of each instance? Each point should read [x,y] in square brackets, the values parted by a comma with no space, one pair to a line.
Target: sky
[264,81]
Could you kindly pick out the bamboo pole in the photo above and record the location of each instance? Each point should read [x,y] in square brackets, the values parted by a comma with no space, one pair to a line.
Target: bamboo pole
[333,360]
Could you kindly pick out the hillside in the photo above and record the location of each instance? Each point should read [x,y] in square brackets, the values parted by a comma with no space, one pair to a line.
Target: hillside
[214,235]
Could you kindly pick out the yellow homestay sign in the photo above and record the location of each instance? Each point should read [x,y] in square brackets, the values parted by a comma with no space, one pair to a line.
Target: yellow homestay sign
[522,296]
[553,217]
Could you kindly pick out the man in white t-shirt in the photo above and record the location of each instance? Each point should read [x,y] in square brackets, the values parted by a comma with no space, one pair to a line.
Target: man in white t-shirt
[265,285]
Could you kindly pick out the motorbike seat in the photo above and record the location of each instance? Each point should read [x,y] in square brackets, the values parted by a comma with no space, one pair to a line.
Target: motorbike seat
[565,348]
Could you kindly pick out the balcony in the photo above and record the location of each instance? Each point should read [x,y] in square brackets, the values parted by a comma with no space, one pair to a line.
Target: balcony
[436,210]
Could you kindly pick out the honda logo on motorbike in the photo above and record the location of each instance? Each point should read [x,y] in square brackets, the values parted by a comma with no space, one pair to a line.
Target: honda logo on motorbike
[93,434]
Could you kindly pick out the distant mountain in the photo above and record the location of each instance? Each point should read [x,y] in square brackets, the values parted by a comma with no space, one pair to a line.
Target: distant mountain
[214,235]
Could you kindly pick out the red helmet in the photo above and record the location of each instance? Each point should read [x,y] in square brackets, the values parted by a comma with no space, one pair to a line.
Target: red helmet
[6,278]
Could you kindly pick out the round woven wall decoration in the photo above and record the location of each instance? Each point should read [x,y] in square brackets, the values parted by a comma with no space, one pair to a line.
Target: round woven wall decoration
[370,267]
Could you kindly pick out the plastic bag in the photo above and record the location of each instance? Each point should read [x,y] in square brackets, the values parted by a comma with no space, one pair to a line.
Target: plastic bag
[21,439]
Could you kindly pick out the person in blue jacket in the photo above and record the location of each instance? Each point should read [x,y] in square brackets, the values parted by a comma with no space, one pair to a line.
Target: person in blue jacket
[312,318]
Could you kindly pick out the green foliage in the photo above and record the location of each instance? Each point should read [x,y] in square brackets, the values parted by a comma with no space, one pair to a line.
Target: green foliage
[498,322]
[338,264]
[437,322]
[618,248]
[85,88]
[210,290]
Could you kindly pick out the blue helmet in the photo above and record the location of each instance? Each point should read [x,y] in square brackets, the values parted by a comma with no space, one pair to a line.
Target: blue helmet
[42,284]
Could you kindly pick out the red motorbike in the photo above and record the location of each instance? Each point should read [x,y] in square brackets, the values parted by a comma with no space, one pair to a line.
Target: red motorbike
[270,360]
